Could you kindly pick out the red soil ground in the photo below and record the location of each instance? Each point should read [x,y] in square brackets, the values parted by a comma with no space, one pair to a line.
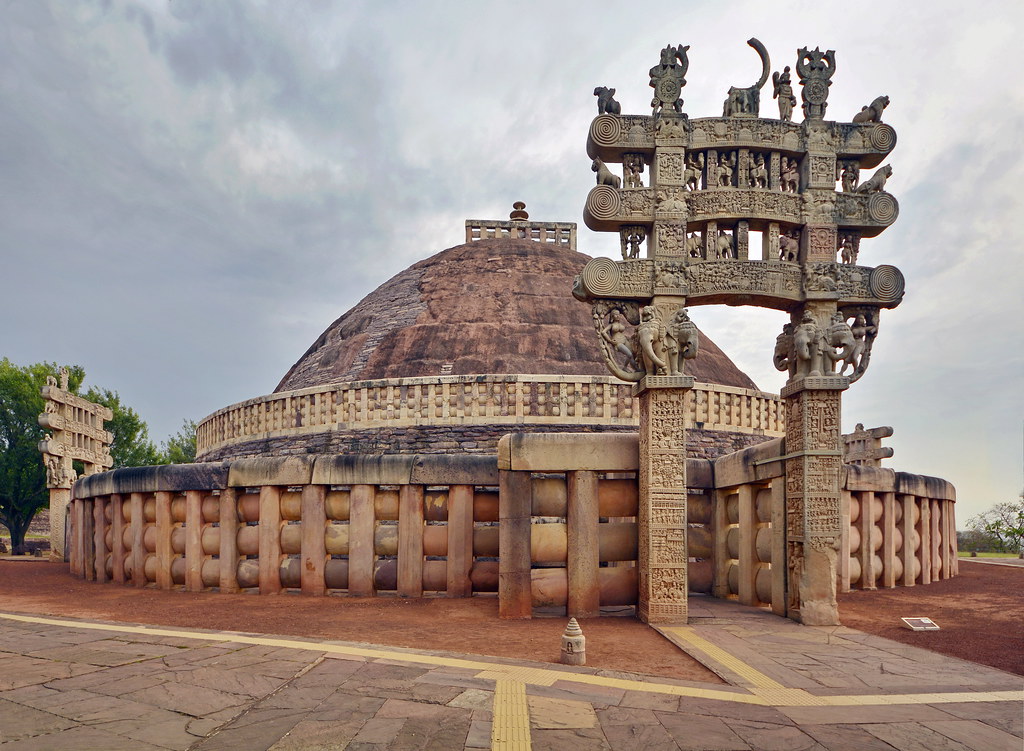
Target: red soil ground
[980,615]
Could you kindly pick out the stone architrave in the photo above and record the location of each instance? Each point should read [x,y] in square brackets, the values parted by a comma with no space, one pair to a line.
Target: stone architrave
[77,434]
[773,177]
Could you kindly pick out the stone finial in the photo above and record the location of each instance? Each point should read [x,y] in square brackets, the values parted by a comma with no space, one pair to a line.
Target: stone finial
[815,69]
[518,213]
[574,645]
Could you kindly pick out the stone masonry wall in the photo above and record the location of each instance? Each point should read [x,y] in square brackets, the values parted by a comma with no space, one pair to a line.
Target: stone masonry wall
[454,439]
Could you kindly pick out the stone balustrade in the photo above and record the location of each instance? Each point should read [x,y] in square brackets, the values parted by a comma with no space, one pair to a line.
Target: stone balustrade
[548,522]
[503,401]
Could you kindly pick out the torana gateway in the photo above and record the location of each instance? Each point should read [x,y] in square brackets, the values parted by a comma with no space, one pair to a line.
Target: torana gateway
[453,433]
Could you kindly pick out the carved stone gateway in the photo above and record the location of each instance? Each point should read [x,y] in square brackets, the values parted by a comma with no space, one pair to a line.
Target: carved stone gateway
[77,435]
[715,185]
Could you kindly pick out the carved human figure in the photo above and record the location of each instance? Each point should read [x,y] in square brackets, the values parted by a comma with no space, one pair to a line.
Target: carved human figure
[850,175]
[790,175]
[635,236]
[876,183]
[784,357]
[693,171]
[723,245]
[873,112]
[604,175]
[861,330]
[633,165]
[649,349]
[848,248]
[758,173]
[726,168]
[789,247]
[783,91]
[615,334]
[606,104]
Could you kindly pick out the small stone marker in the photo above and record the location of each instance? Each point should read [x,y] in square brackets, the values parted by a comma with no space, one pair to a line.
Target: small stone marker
[920,624]
[574,645]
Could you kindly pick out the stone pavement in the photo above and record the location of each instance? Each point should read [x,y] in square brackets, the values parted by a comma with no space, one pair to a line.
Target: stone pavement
[77,685]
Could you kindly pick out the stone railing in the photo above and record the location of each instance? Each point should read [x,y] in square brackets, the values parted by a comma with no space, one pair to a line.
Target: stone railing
[556,233]
[548,522]
[512,400]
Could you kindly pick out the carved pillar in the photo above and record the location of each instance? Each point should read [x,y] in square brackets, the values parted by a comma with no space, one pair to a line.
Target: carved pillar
[60,499]
[813,508]
[770,242]
[662,515]
[711,240]
[775,171]
[742,240]
[743,169]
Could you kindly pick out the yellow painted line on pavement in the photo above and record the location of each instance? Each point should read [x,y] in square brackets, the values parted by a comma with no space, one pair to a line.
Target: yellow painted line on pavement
[510,726]
[766,692]
[755,677]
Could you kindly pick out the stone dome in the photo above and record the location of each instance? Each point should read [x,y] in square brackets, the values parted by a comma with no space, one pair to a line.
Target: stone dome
[493,306]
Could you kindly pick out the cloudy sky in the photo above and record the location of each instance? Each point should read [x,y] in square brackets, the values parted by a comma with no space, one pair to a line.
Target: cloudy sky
[192,190]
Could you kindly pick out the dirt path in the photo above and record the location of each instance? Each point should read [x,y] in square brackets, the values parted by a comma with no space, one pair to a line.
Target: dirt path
[980,614]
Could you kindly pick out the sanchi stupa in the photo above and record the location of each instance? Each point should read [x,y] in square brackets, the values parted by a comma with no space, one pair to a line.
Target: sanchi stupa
[511,417]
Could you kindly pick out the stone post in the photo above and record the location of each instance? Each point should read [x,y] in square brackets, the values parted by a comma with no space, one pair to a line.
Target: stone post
[662,515]
[813,509]
[60,499]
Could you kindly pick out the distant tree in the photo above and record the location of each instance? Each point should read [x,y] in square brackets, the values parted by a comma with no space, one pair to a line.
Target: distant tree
[131,446]
[180,448]
[22,475]
[976,541]
[1003,524]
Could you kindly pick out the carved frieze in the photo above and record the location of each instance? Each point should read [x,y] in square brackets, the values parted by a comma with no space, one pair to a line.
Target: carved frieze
[754,204]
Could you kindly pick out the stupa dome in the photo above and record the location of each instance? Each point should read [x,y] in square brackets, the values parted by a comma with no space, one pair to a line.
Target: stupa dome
[493,306]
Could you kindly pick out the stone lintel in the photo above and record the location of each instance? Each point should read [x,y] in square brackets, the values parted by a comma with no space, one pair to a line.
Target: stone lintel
[662,382]
[815,383]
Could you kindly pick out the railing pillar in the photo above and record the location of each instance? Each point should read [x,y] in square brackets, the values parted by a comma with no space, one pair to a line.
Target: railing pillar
[460,540]
[361,555]
[584,559]
[270,540]
[515,596]
[164,525]
[194,541]
[410,541]
[313,544]
[138,552]
[229,540]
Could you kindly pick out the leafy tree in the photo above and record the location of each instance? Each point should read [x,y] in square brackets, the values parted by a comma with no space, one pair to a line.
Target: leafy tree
[131,446]
[1003,524]
[180,448]
[22,475]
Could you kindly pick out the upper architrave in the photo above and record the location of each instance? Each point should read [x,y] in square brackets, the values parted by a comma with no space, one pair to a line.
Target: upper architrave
[715,184]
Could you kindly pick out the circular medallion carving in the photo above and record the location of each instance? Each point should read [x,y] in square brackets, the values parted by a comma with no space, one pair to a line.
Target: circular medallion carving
[604,202]
[605,130]
[883,208]
[882,137]
[600,276]
[816,92]
[886,283]
[668,90]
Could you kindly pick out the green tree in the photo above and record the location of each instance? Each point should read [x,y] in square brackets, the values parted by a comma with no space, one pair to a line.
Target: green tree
[180,448]
[22,475]
[131,446]
[1003,524]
